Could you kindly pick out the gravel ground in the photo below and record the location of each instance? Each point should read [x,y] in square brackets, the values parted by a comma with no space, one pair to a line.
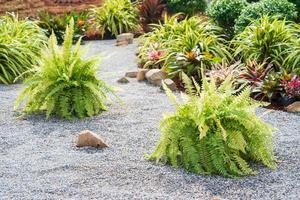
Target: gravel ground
[39,160]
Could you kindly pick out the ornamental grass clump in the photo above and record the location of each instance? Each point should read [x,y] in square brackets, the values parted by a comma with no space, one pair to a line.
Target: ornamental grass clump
[20,45]
[64,84]
[115,17]
[214,131]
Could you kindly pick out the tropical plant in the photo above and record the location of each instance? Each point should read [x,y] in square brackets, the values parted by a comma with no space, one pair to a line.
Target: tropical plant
[188,45]
[266,39]
[279,9]
[63,83]
[57,24]
[220,71]
[214,131]
[150,12]
[292,62]
[226,12]
[115,17]
[20,44]
[189,7]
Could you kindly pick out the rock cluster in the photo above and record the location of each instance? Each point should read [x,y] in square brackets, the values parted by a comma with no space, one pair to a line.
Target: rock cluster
[153,76]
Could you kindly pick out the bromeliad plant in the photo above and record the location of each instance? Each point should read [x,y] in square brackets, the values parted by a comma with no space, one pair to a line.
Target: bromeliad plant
[115,17]
[65,84]
[20,45]
[214,131]
[188,45]
[150,12]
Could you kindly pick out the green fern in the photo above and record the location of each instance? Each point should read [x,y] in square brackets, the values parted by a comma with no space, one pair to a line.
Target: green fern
[65,84]
[214,131]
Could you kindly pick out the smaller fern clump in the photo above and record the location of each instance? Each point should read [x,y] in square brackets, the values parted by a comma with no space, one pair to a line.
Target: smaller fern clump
[214,131]
[65,84]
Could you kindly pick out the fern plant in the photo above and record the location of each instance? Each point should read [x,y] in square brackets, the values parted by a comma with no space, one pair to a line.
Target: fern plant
[65,84]
[20,44]
[214,131]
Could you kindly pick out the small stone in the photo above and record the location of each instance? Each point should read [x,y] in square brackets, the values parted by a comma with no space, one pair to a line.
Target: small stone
[122,43]
[155,76]
[123,80]
[131,74]
[89,139]
[141,74]
[125,37]
[170,84]
[294,107]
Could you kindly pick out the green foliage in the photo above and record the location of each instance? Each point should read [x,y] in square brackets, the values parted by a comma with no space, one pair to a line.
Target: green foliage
[297,3]
[292,61]
[266,39]
[187,45]
[65,84]
[115,17]
[20,44]
[225,12]
[57,24]
[189,7]
[214,132]
[280,9]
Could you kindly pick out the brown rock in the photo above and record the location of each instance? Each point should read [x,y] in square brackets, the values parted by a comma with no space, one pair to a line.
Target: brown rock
[131,74]
[123,80]
[141,74]
[90,139]
[155,76]
[294,107]
[122,43]
[170,84]
[128,37]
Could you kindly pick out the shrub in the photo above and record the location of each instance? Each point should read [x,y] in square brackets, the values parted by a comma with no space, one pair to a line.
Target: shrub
[188,46]
[189,7]
[65,84]
[225,12]
[57,24]
[214,132]
[150,12]
[115,17]
[20,44]
[297,3]
[280,9]
[266,39]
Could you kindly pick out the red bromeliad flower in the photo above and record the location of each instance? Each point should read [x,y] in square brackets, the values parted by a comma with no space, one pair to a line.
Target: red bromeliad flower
[292,87]
[156,55]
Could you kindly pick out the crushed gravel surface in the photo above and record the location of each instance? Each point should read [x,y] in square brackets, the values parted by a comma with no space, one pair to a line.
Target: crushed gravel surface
[39,160]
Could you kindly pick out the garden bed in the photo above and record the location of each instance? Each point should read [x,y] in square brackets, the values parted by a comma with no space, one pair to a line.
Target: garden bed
[39,159]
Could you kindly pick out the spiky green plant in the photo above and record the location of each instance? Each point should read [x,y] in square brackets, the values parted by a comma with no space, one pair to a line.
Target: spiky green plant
[65,84]
[20,44]
[115,17]
[266,39]
[214,131]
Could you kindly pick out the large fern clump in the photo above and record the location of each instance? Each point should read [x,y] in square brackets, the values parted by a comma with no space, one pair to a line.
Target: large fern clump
[65,84]
[20,46]
[214,131]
